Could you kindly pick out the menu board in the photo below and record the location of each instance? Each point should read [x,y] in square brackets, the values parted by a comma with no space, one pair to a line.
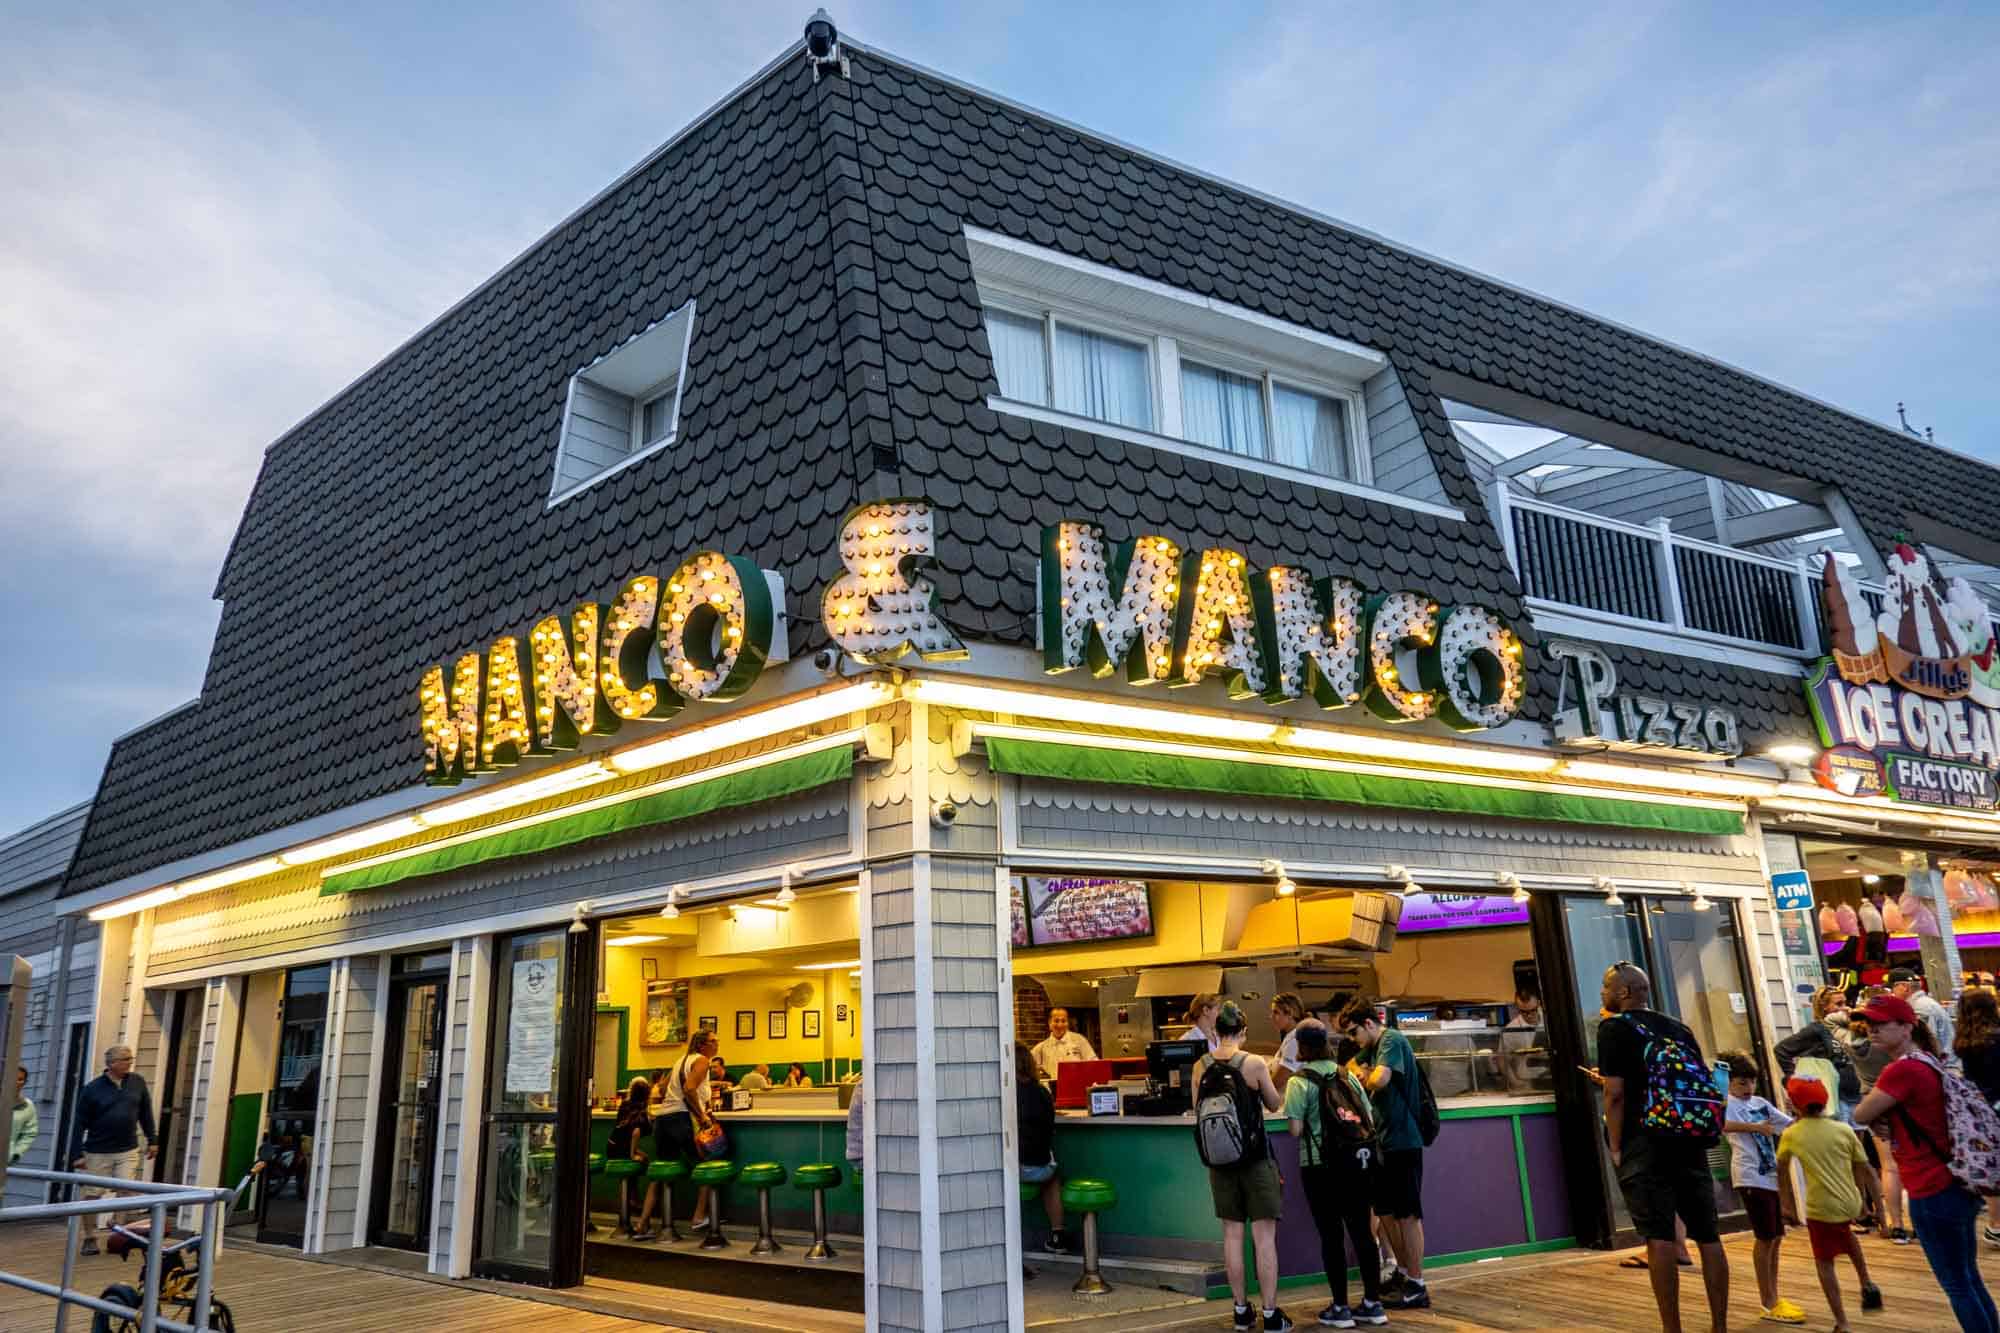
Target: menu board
[1453,911]
[1017,915]
[1075,910]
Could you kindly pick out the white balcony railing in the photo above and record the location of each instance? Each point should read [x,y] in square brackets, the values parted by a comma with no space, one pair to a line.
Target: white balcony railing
[1649,576]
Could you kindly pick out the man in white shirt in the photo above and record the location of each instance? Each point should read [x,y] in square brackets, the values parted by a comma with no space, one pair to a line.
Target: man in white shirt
[1060,1045]
[1903,984]
[1287,1012]
[758,1079]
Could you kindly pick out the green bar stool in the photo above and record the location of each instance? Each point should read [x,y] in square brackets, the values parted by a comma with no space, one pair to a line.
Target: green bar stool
[592,1165]
[819,1177]
[764,1175]
[1089,1197]
[715,1175]
[667,1175]
[624,1170]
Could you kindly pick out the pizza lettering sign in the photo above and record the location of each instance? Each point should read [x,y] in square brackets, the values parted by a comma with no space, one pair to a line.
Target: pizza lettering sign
[1908,704]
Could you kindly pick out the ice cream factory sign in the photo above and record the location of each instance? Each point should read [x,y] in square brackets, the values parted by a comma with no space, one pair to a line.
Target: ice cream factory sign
[1908,705]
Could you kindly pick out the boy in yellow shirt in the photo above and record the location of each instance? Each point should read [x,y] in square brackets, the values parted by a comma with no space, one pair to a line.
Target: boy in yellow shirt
[1836,1183]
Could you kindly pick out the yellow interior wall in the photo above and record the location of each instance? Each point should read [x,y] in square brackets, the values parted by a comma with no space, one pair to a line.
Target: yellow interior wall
[722,995]
[1190,921]
[1460,965]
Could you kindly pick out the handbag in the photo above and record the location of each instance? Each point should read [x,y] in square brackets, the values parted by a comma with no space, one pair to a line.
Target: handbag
[711,1140]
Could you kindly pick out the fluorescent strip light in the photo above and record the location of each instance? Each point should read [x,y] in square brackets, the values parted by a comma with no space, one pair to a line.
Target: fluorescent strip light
[1139,746]
[233,875]
[620,941]
[139,903]
[827,967]
[513,794]
[751,726]
[1087,711]
[1418,751]
[374,835]
[1631,775]
[1811,800]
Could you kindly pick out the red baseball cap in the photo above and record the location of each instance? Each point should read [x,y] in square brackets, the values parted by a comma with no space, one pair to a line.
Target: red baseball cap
[1887,1009]
[1805,1092]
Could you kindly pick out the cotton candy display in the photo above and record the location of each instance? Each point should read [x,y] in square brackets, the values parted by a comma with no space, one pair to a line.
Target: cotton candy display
[1870,917]
[1893,919]
[1843,916]
[1925,921]
[1829,922]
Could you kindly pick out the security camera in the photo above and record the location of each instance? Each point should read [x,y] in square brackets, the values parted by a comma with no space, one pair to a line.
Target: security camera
[827,660]
[823,44]
[943,814]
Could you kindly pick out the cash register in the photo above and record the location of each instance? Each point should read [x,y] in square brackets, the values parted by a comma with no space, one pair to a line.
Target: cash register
[1169,1078]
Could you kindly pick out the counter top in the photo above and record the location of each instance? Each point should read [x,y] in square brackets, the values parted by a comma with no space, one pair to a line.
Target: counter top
[768,1113]
[1447,1107]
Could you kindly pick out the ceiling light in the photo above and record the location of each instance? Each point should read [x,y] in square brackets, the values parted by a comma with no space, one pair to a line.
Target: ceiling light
[774,904]
[1448,753]
[1091,712]
[1792,752]
[513,794]
[785,895]
[1508,879]
[618,941]
[750,726]
[126,906]
[1609,889]
[827,967]
[374,835]
[672,910]
[1701,902]
[1664,779]
[1871,878]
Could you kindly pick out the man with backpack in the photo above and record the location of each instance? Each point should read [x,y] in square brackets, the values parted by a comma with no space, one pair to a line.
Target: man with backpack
[1339,1151]
[1407,1114]
[1232,1094]
[1662,1114]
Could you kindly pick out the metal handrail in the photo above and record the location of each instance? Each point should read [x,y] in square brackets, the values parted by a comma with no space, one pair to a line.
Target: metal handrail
[155,1197]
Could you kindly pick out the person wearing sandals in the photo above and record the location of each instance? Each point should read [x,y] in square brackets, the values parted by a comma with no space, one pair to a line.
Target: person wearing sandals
[628,1135]
[686,1097]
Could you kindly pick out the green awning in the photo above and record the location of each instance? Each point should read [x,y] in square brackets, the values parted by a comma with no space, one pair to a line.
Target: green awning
[1238,777]
[765,783]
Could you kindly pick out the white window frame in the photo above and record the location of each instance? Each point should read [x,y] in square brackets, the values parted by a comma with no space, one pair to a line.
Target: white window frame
[674,383]
[1360,461]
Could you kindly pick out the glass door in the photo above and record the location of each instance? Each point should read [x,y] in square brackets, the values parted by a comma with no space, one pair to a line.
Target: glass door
[521,1166]
[293,1117]
[177,1088]
[406,1154]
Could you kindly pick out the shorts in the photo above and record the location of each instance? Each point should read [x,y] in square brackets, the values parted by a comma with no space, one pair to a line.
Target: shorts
[1830,1240]
[1247,1193]
[1399,1185]
[1868,1148]
[1767,1219]
[1035,1175]
[1665,1178]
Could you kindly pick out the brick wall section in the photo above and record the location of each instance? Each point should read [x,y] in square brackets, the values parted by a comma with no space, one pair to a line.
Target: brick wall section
[1031,1011]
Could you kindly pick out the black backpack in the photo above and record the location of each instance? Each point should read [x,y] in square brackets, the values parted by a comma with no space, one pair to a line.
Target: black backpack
[1428,1120]
[1228,1116]
[1348,1133]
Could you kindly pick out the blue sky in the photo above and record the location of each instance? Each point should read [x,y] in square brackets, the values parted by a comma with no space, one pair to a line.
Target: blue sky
[215,216]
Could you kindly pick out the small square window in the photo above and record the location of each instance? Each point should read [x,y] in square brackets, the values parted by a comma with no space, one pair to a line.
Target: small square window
[1099,376]
[1310,431]
[624,405]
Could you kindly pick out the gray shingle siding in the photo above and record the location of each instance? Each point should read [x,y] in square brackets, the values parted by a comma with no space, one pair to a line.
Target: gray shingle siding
[1399,454]
[447,1216]
[342,1134]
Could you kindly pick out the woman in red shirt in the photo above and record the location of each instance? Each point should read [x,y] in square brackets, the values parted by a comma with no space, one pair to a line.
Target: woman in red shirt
[1909,1100]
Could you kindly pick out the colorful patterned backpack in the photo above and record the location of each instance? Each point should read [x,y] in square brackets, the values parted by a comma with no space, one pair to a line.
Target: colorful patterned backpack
[1681,1097]
[1975,1131]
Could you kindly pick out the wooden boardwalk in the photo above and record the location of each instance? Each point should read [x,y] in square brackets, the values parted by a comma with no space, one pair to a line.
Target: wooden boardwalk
[1587,1290]
[271,1293]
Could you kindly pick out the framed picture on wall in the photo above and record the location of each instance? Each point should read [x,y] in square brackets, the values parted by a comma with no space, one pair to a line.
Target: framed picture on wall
[665,1020]
[774,1025]
[710,1023]
[746,1025]
[809,1022]
[649,969]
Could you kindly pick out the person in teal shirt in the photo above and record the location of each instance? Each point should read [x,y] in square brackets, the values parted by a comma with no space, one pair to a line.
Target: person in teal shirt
[1387,1067]
[26,1123]
[1336,1172]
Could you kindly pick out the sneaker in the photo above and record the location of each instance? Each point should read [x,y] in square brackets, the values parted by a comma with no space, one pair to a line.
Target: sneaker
[1414,1296]
[1337,1316]
[1277,1321]
[1245,1317]
[1783,1311]
[1393,1280]
[1370,1312]
[89,1245]
[644,1237]
[1871,1296]
[1057,1243]
[1898,1236]
[1991,1234]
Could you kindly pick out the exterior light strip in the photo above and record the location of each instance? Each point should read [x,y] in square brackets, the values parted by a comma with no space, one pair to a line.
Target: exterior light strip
[355,840]
[1139,746]
[513,794]
[827,967]
[1089,711]
[622,941]
[1632,775]
[753,726]
[126,906]
[814,746]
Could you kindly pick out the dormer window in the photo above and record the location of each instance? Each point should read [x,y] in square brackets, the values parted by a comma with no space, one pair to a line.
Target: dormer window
[624,406]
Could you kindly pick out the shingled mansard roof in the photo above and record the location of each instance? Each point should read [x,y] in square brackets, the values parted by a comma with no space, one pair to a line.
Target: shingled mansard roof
[839,355]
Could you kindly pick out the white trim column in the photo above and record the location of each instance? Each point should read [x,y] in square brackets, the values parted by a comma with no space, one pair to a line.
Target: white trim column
[472,1112]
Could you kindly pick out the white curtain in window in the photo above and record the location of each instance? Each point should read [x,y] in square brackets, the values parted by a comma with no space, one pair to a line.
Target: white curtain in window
[1223,410]
[1102,377]
[1309,431]
[1017,357]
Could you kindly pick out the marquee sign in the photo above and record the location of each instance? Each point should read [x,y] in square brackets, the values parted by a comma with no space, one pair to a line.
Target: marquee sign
[1169,616]
[1592,711]
[1908,704]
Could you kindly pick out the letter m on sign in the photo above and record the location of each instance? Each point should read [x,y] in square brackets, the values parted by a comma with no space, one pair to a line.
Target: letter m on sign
[451,722]
[1103,605]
